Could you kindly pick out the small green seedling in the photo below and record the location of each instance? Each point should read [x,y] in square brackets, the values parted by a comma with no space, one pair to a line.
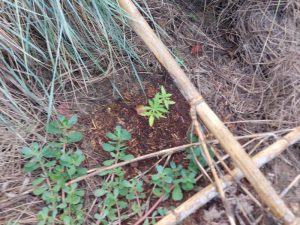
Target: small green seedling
[57,163]
[116,146]
[158,106]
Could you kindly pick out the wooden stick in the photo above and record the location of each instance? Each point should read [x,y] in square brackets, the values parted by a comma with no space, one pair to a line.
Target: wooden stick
[211,165]
[209,118]
[208,193]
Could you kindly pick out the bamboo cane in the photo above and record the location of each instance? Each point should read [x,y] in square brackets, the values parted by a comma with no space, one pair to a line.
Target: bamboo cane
[208,193]
[209,118]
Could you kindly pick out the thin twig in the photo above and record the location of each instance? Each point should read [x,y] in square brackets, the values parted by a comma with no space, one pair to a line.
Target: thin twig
[96,171]
[149,211]
[237,181]
[286,190]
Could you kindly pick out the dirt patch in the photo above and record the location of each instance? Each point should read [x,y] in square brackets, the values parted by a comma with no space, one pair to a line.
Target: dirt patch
[166,132]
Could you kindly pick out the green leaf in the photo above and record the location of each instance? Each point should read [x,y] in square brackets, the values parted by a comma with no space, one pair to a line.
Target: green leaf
[187,186]
[61,118]
[146,222]
[75,200]
[50,164]
[112,136]
[125,135]
[108,162]
[163,90]
[177,193]
[62,205]
[80,193]
[151,120]
[72,170]
[67,220]
[54,145]
[126,183]
[50,152]
[127,157]
[108,147]
[53,128]
[27,152]
[157,192]
[72,121]
[38,181]
[74,137]
[31,166]
[160,169]
[122,204]
[163,110]
[99,217]
[155,177]
[162,211]
[39,190]
[168,179]
[78,157]
[100,192]
[81,171]
[173,165]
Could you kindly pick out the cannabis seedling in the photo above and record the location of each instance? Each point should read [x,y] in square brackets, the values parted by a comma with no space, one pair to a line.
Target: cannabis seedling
[158,106]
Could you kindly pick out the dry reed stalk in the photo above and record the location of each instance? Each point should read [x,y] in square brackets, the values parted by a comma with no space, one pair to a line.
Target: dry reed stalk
[209,192]
[210,119]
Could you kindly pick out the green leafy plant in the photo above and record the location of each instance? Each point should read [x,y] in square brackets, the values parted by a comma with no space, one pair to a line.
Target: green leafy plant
[160,212]
[158,106]
[57,163]
[195,154]
[173,180]
[116,193]
[116,146]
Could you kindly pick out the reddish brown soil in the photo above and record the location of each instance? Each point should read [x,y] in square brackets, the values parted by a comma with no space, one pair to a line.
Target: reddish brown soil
[166,132]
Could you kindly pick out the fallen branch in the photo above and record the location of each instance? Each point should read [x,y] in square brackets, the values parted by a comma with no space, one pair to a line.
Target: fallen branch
[210,192]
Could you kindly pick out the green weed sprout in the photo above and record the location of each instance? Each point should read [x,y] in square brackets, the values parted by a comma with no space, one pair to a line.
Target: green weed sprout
[158,106]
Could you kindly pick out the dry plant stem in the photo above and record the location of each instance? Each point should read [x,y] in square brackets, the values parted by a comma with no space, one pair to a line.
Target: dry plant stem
[232,175]
[201,167]
[209,192]
[96,171]
[141,220]
[210,119]
[286,190]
